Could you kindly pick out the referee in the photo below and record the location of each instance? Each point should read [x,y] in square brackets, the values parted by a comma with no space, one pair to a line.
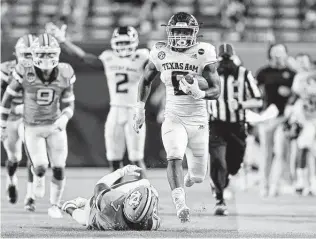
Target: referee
[227,121]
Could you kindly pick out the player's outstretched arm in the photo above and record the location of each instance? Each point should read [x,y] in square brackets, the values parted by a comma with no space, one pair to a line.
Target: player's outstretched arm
[144,88]
[212,77]
[108,180]
[72,49]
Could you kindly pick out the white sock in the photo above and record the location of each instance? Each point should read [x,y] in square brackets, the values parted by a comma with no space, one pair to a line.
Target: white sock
[29,190]
[80,216]
[56,191]
[178,194]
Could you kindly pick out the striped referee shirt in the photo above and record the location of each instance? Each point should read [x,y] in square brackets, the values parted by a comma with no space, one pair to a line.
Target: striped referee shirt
[235,89]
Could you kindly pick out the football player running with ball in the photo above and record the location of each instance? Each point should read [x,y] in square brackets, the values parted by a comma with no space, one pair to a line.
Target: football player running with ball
[123,66]
[131,205]
[182,59]
[48,105]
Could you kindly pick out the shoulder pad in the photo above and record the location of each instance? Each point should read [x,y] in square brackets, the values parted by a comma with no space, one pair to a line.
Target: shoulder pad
[8,66]
[143,52]
[67,72]
[105,54]
[160,44]
[208,52]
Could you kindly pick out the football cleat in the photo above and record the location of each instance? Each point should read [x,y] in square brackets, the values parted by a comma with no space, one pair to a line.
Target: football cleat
[187,180]
[29,204]
[55,212]
[184,214]
[39,186]
[12,189]
[220,208]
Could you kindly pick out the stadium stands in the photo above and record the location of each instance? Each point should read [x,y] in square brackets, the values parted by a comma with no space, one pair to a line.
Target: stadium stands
[282,18]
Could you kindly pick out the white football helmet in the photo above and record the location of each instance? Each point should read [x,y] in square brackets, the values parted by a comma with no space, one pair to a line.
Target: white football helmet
[182,30]
[23,50]
[45,52]
[124,41]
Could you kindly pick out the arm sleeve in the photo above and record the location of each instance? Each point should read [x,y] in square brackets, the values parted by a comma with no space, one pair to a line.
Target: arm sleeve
[251,86]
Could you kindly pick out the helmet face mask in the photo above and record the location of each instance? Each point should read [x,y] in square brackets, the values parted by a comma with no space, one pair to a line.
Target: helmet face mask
[23,50]
[45,52]
[124,41]
[182,30]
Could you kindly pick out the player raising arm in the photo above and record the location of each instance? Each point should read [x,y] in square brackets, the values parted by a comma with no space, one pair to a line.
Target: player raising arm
[131,205]
[123,66]
[179,59]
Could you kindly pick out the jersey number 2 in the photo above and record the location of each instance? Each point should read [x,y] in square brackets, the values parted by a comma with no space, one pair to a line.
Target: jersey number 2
[175,78]
[45,96]
[121,79]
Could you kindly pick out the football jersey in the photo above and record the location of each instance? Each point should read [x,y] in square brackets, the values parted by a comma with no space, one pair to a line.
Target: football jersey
[123,75]
[42,98]
[174,65]
[6,70]
[306,105]
[111,217]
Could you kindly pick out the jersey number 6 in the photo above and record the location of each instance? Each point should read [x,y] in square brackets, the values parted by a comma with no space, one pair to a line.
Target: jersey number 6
[121,79]
[45,96]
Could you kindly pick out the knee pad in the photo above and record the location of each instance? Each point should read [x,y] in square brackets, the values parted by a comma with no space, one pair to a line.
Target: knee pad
[40,171]
[58,173]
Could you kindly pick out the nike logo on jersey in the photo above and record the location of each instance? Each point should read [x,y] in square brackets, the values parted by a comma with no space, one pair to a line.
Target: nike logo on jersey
[179,66]
[115,208]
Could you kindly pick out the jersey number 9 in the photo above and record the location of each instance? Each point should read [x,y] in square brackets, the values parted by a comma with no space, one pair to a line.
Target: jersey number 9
[45,96]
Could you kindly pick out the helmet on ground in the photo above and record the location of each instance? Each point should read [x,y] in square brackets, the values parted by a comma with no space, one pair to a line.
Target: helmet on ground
[140,204]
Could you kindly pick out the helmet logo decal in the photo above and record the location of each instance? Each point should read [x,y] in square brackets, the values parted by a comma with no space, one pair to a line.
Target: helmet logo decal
[134,199]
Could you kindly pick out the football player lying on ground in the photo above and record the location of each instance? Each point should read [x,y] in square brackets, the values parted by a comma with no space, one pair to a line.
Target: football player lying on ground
[131,205]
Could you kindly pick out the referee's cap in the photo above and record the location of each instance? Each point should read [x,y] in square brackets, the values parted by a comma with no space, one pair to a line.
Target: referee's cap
[226,50]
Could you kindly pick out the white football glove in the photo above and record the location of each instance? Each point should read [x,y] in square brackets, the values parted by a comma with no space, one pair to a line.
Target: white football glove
[130,170]
[58,33]
[18,110]
[61,123]
[139,116]
[191,89]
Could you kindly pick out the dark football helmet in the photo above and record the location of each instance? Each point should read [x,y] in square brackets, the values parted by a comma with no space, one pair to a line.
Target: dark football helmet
[182,30]
[124,41]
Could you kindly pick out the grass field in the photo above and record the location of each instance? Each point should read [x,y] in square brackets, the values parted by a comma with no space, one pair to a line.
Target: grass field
[250,216]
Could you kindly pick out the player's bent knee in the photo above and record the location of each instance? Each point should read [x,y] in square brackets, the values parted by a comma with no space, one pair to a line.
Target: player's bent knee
[58,173]
[40,170]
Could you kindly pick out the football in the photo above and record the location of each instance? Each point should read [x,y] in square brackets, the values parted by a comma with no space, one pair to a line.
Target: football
[203,84]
